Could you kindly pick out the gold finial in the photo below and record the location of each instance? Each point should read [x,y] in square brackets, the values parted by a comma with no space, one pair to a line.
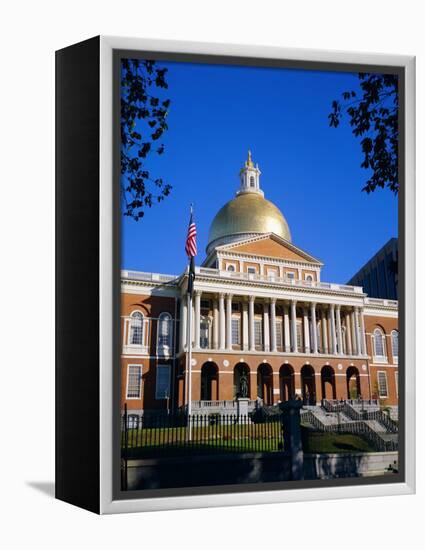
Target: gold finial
[249,161]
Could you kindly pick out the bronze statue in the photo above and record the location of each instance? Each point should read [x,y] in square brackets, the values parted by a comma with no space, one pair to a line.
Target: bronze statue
[243,385]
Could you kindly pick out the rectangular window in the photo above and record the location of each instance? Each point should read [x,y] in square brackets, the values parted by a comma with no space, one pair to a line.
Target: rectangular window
[236,332]
[319,336]
[162,381]
[258,328]
[290,275]
[251,272]
[382,384]
[394,345]
[164,331]
[279,342]
[299,336]
[134,381]
[272,274]
[205,307]
[205,334]
[379,345]
[136,334]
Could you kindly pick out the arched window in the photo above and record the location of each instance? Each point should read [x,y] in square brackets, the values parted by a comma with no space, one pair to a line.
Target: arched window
[394,344]
[165,333]
[136,329]
[230,267]
[309,278]
[379,344]
[252,181]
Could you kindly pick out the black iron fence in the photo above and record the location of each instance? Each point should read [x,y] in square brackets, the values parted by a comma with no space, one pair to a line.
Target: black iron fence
[148,436]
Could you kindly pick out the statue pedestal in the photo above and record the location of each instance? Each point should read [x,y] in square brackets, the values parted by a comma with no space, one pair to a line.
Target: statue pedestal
[242,408]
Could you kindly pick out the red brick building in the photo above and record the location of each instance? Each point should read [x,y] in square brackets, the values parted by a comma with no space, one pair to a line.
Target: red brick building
[260,310]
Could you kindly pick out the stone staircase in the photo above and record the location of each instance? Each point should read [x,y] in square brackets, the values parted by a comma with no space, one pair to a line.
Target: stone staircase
[376,426]
[329,418]
[372,423]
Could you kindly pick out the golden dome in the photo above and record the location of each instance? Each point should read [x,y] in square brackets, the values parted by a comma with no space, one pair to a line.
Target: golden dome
[246,215]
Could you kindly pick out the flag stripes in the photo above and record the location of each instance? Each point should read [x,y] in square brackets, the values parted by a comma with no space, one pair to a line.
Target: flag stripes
[190,248]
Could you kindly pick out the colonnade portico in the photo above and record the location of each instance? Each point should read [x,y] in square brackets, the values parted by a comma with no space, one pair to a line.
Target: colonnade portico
[305,327]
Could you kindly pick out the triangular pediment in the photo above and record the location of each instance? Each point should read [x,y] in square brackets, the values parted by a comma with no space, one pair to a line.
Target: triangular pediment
[270,246]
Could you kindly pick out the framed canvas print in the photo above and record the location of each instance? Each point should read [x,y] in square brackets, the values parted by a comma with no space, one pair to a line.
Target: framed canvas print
[235,274]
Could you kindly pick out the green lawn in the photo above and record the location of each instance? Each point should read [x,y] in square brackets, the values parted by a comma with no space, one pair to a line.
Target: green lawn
[216,439]
[328,442]
[149,442]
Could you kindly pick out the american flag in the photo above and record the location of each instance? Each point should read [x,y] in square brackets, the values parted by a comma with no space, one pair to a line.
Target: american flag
[190,247]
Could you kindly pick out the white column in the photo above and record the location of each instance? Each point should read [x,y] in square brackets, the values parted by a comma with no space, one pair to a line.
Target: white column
[306,331]
[245,331]
[353,333]
[266,327]
[339,329]
[215,325]
[273,324]
[251,323]
[313,327]
[357,329]
[362,332]
[183,322]
[197,318]
[333,330]
[348,333]
[287,332]
[229,321]
[222,320]
[294,346]
[324,327]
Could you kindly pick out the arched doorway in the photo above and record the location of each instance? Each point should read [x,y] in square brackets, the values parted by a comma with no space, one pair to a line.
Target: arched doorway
[241,381]
[209,382]
[286,383]
[327,376]
[265,383]
[308,385]
[353,383]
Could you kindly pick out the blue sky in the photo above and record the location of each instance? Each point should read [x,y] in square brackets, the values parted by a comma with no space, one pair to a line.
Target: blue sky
[309,170]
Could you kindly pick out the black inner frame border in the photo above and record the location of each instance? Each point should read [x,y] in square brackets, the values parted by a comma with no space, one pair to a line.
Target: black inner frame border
[282,63]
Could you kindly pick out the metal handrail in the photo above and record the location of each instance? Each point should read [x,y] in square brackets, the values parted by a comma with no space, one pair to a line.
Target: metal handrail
[356,427]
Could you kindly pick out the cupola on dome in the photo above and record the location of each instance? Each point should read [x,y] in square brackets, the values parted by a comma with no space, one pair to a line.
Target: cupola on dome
[249,214]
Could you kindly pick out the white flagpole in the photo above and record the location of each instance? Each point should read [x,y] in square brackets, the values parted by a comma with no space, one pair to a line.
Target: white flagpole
[189,364]
[189,347]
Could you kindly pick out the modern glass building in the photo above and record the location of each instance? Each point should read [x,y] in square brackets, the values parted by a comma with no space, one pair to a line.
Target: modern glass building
[379,276]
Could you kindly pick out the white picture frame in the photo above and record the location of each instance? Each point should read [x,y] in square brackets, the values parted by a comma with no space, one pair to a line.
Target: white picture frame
[108,503]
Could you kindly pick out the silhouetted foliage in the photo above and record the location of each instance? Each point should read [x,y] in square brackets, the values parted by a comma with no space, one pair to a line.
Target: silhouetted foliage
[143,123]
[374,118]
